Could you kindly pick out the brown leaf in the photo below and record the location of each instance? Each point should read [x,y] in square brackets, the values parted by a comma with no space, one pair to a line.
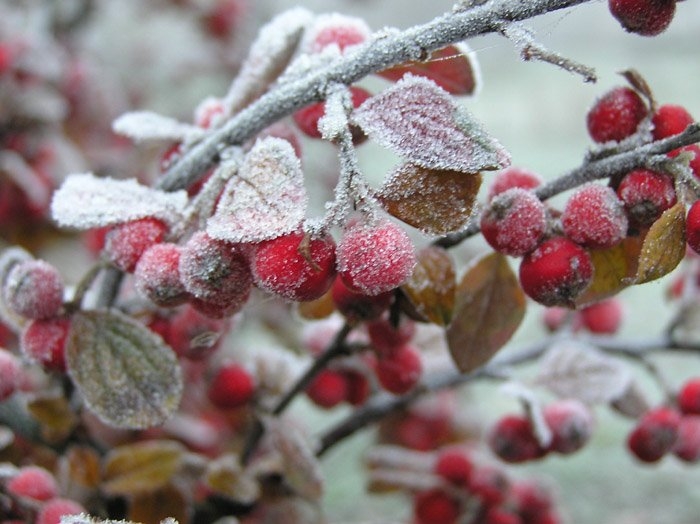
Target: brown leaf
[664,245]
[431,288]
[226,476]
[490,304]
[142,467]
[633,403]
[83,466]
[156,506]
[436,202]
[55,415]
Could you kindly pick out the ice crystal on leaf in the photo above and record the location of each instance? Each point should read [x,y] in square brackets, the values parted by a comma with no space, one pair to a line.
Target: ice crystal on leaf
[420,122]
[266,199]
[85,201]
[140,126]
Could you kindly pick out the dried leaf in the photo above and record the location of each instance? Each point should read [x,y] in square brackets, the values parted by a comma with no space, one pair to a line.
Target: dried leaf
[267,197]
[126,374]
[142,467]
[420,122]
[434,201]
[141,126]
[226,476]
[83,467]
[431,288]
[454,68]
[85,201]
[55,416]
[685,331]
[633,403]
[638,82]
[579,371]
[167,502]
[664,245]
[490,304]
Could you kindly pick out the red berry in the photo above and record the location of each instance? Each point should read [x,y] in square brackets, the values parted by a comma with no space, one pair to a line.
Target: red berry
[357,306]
[157,275]
[435,507]
[10,374]
[34,289]
[616,115]
[489,485]
[374,259]
[53,510]
[694,164]
[511,177]
[555,317]
[307,118]
[358,387]
[454,466]
[193,335]
[343,31]
[34,483]
[687,446]
[216,273]
[232,386]
[295,266]
[125,243]
[385,337]
[209,112]
[399,371]
[655,434]
[556,272]
[646,194]
[571,423]
[94,240]
[689,397]
[530,499]
[692,227]
[643,17]
[44,341]
[499,515]
[594,217]
[670,120]
[513,440]
[415,432]
[604,317]
[222,18]
[328,389]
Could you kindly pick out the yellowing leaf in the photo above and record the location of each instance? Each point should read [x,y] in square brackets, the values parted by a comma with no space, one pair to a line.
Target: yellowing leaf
[156,506]
[126,374]
[55,415]
[664,245]
[490,305]
[84,468]
[226,477]
[436,202]
[142,467]
[431,288]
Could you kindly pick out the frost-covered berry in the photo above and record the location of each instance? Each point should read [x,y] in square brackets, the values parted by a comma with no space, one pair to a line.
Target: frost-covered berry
[157,275]
[511,177]
[125,243]
[646,195]
[604,317]
[375,258]
[384,336]
[669,120]
[616,115]
[209,112]
[358,306]
[222,17]
[52,511]
[435,507]
[557,272]
[530,499]
[687,446]
[307,118]
[232,386]
[44,341]
[571,423]
[34,289]
[515,222]
[488,484]
[328,389]
[689,397]
[33,482]
[216,273]
[655,434]
[454,465]
[513,440]
[193,335]
[10,374]
[643,17]
[295,266]
[358,387]
[694,164]
[594,217]
[400,370]
[343,31]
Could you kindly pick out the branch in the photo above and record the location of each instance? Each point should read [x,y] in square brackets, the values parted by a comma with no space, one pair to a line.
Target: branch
[383,51]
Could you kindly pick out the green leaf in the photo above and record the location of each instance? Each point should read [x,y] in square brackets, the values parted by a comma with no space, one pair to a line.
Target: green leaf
[126,374]
[490,305]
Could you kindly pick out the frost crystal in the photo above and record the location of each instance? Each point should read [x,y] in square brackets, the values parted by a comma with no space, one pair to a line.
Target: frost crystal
[146,125]
[85,201]
[266,199]
[419,121]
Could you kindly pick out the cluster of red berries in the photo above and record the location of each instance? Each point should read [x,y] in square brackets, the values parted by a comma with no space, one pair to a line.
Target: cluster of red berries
[643,17]
[666,430]
[33,490]
[602,318]
[513,438]
[480,494]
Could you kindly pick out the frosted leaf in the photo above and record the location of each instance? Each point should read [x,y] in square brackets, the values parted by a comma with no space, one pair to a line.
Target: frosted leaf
[420,122]
[266,199]
[582,372]
[9,258]
[146,125]
[268,57]
[25,177]
[85,201]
